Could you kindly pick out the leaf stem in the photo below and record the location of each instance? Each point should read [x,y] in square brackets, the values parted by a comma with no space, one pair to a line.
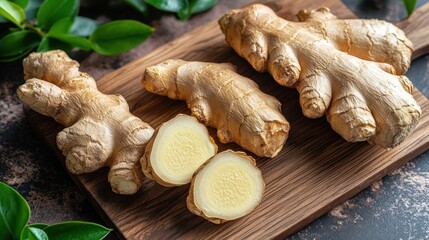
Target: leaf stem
[34,29]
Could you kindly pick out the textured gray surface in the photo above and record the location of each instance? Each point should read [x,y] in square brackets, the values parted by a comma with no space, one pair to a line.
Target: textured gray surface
[396,207]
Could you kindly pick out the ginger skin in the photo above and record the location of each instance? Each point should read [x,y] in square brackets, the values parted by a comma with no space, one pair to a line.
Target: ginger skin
[221,98]
[100,130]
[352,70]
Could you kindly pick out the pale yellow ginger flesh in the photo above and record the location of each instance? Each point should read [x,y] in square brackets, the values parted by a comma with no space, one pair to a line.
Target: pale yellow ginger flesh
[100,130]
[221,98]
[352,70]
[176,150]
[228,187]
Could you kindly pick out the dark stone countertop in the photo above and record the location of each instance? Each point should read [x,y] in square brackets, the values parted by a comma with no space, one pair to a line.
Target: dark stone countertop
[395,207]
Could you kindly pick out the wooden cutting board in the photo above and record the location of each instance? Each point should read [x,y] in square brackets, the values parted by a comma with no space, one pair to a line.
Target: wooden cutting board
[315,171]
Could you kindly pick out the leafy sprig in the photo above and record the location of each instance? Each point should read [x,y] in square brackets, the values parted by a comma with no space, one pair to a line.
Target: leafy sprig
[183,8]
[15,213]
[410,5]
[57,26]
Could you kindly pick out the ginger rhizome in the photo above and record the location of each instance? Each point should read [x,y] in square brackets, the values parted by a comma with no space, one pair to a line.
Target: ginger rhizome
[352,70]
[100,130]
[176,150]
[227,187]
[219,97]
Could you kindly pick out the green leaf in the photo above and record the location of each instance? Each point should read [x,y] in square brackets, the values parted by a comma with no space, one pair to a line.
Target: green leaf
[138,5]
[52,11]
[33,233]
[184,13]
[63,26]
[197,6]
[43,45]
[168,5]
[16,45]
[59,32]
[183,8]
[49,43]
[21,3]
[32,8]
[119,36]
[410,5]
[76,230]
[12,12]
[75,41]
[83,26]
[38,225]
[14,212]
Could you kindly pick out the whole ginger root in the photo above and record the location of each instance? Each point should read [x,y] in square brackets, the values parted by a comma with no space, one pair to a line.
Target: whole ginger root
[219,97]
[100,129]
[352,70]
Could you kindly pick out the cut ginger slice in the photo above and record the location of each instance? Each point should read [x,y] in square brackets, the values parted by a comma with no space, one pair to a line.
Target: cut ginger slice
[227,187]
[176,150]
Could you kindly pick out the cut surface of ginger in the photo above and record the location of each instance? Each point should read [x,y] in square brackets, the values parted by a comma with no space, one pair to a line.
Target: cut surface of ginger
[178,149]
[228,187]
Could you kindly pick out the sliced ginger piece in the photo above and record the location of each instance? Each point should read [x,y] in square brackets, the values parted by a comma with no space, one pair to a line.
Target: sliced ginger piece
[227,187]
[176,150]
[100,130]
[351,69]
[221,98]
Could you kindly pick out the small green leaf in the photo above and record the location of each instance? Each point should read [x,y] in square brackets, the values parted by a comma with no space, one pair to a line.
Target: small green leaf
[197,6]
[183,8]
[410,5]
[183,14]
[75,41]
[43,45]
[14,212]
[119,36]
[17,44]
[38,225]
[52,11]
[32,8]
[21,3]
[76,230]
[58,38]
[168,5]
[49,43]
[63,26]
[138,5]
[33,233]
[12,12]
[83,26]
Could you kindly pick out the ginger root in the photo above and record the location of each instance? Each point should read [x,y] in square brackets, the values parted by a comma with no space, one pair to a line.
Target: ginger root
[227,187]
[352,70]
[100,129]
[176,150]
[221,98]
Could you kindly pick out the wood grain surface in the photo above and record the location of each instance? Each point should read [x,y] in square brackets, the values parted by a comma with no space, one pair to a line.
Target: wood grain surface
[315,171]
